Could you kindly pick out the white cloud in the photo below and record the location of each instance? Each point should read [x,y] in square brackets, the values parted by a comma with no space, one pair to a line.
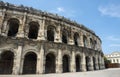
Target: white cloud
[64,12]
[60,9]
[110,10]
[115,45]
[113,38]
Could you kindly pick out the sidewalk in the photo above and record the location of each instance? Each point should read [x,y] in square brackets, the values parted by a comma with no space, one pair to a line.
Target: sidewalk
[112,72]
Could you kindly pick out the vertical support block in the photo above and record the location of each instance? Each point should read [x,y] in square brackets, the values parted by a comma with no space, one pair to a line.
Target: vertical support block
[40,61]
[83,62]
[17,61]
[59,62]
[72,63]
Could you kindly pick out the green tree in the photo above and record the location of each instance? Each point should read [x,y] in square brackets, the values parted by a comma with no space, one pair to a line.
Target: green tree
[106,62]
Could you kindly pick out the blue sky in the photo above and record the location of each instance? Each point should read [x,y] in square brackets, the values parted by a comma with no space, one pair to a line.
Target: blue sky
[101,16]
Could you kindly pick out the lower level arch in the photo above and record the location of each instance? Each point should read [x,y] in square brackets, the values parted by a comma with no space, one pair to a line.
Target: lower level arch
[30,62]
[6,62]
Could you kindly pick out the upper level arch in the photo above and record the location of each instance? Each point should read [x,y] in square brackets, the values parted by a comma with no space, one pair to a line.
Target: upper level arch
[65,36]
[91,43]
[13,26]
[33,30]
[76,39]
[50,33]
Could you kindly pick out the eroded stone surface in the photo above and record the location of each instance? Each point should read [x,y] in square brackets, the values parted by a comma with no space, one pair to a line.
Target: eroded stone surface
[36,42]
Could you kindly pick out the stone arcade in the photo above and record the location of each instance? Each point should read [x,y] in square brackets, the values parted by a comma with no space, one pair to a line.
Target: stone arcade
[36,42]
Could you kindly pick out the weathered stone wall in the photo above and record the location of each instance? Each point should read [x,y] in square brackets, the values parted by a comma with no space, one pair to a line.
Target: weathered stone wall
[46,40]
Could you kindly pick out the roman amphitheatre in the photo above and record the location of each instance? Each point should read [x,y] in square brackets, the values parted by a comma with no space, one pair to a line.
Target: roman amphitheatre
[37,42]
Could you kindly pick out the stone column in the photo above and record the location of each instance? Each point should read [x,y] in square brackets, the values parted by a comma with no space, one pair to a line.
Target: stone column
[59,62]
[96,63]
[91,64]
[40,62]
[71,39]
[83,62]
[21,66]
[72,63]
[81,39]
[88,41]
[2,14]
[4,28]
[100,66]
[17,61]
[103,64]
[41,33]
[21,27]
[58,35]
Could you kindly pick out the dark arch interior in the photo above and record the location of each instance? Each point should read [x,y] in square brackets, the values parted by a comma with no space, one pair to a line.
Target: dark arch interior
[30,61]
[76,37]
[94,66]
[13,27]
[87,63]
[64,36]
[50,33]
[50,63]
[33,30]
[77,60]
[66,63]
[6,62]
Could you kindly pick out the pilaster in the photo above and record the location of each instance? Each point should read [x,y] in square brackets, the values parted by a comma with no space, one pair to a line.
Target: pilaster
[71,39]
[103,65]
[91,64]
[21,66]
[72,63]
[41,33]
[21,26]
[58,35]
[99,63]
[83,63]
[81,39]
[2,19]
[96,63]
[40,62]
[59,62]
[17,61]
[88,41]
[4,29]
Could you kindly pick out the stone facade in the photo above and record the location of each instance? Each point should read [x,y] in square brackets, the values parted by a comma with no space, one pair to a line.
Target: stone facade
[37,42]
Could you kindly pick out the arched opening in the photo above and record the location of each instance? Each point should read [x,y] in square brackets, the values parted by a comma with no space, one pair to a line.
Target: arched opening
[66,63]
[64,36]
[87,63]
[50,64]
[85,41]
[50,33]
[13,27]
[29,66]
[33,30]
[91,43]
[6,62]
[77,60]
[94,61]
[76,39]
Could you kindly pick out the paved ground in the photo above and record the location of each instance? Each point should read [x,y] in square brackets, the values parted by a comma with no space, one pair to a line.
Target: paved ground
[115,72]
